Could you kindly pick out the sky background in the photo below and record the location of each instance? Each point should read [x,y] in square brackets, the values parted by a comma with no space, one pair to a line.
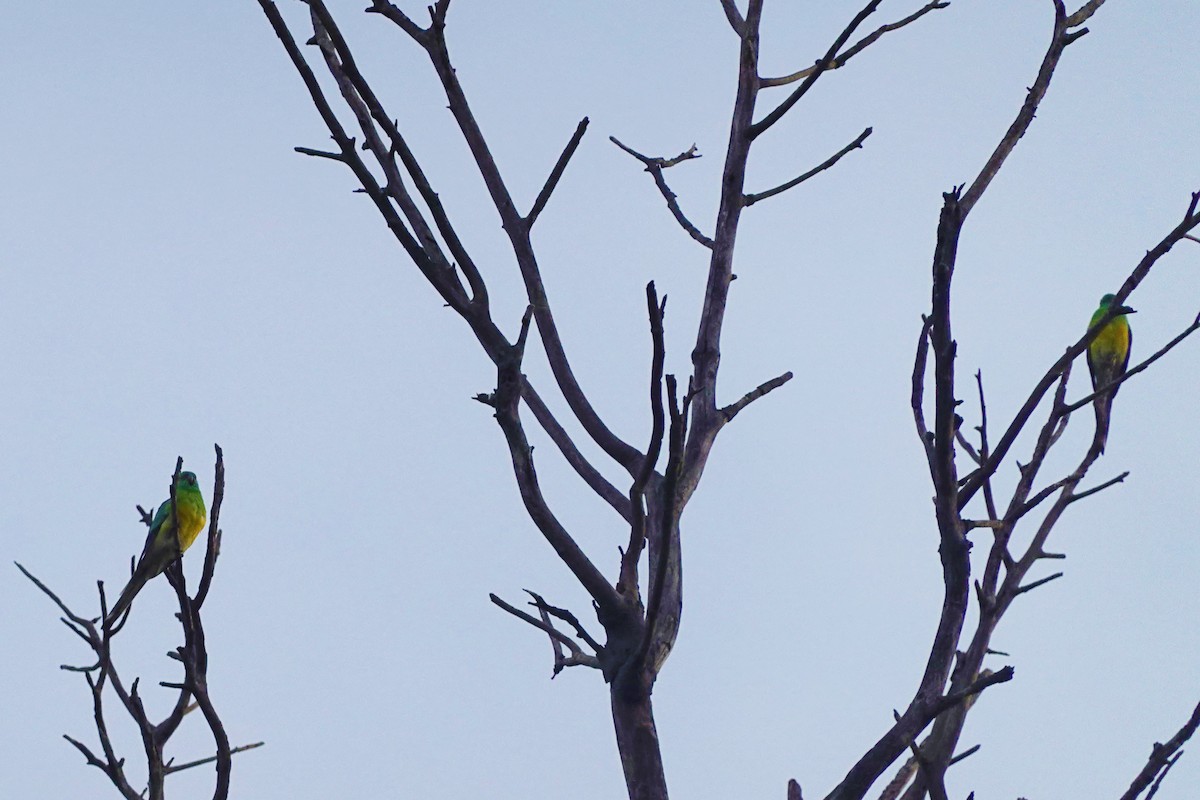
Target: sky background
[174,275]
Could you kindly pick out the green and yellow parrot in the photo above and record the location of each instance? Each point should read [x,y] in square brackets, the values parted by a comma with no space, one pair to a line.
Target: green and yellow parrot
[163,546]
[1107,357]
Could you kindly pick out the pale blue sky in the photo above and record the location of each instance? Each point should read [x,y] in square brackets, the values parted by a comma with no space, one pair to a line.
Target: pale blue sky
[174,275]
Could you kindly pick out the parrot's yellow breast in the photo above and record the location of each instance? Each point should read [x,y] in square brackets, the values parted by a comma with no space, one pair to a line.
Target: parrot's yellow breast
[1112,343]
[192,516]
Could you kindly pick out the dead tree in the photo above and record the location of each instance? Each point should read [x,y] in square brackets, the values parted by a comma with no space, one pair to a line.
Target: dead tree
[193,693]
[640,624]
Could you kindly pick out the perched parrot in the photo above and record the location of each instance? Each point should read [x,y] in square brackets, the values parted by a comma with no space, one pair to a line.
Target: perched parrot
[1108,356]
[163,545]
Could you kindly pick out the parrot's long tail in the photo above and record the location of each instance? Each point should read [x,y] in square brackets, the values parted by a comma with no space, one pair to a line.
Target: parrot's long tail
[1103,406]
[136,582]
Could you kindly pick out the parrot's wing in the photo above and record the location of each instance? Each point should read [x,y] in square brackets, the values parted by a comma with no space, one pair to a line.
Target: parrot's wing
[160,516]
[1128,351]
[1092,368]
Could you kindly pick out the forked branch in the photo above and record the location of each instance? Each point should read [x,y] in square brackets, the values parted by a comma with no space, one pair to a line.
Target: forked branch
[850,52]
[192,655]
[655,166]
[1162,758]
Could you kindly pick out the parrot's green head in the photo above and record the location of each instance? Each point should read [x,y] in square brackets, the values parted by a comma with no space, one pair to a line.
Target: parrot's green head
[1106,302]
[187,481]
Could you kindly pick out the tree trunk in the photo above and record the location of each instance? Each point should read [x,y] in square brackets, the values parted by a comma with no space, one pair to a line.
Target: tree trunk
[637,741]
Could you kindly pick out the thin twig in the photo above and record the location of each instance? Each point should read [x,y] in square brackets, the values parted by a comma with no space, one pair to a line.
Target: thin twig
[170,768]
[213,550]
[578,657]
[841,58]
[1100,488]
[917,397]
[730,411]
[970,751]
[1029,587]
[1058,43]
[751,199]
[308,151]
[567,617]
[627,584]
[655,166]
[556,173]
[822,65]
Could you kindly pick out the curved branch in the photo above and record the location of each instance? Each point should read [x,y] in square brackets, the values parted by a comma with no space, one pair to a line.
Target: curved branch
[751,199]
[850,52]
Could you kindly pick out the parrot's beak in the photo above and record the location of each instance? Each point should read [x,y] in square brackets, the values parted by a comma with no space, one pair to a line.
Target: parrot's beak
[1126,310]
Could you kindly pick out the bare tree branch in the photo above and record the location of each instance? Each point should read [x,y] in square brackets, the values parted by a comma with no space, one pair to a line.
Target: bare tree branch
[733,409]
[506,402]
[557,637]
[907,727]
[1141,367]
[1110,482]
[347,67]
[556,173]
[454,297]
[1058,42]
[591,476]
[193,656]
[707,419]
[518,234]
[841,58]
[736,21]
[917,397]
[567,617]
[655,166]
[172,768]
[1029,587]
[213,548]
[400,18]
[1191,219]
[1084,13]
[1162,757]
[751,199]
[628,582]
[823,64]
